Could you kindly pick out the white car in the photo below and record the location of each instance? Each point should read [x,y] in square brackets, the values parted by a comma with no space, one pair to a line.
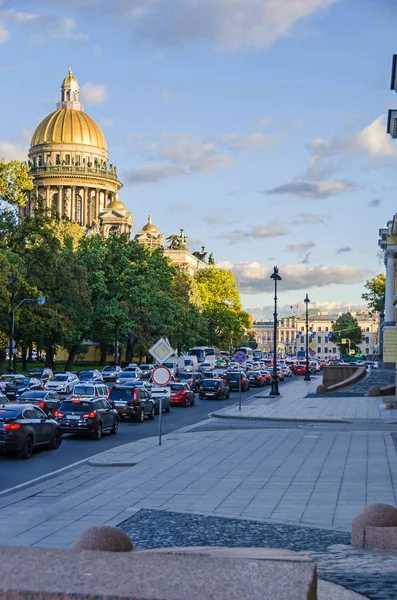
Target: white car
[4,379]
[62,383]
[127,377]
[133,371]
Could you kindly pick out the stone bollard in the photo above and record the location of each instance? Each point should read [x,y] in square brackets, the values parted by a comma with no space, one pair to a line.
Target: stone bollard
[378,519]
[104,538]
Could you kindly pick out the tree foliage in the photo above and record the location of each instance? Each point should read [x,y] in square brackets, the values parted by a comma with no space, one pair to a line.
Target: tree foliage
[15,181]
[347,327]
[376,292]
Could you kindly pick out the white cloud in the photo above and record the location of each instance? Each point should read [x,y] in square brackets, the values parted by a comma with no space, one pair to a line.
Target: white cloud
[229,24]
[313,189]
[155,173]
[254,278]
[93,93]
[214,220]
[242,143]
[44,26]
[4,34]
[13,151]
[264,121]
[300,248]
[308,218]
[271,229]
[107,122]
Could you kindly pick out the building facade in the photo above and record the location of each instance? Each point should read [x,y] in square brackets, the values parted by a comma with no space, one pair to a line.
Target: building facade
[388,244]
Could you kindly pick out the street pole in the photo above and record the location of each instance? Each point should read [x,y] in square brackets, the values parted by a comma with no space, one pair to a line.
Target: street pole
[13,280]
[307,370]
[239,387]
[274,389]
[116,343]
[160,419]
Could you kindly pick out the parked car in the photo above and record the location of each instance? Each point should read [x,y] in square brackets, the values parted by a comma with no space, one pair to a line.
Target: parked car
[133,371]
[165,394]
[286,370]
[205,366]
[110,373]
[63,383]
[193,379]
[232,380]
[49,402]
[182,394]
[17,385]
[210,374]
[24,427]
[88,390]
[132,402]
[267,376]
[3,399]
[5,378]
[43,374]
[146,371]
[214,388]
[93,416]
[255,378]
[127,377]
[93,376]
[299,369]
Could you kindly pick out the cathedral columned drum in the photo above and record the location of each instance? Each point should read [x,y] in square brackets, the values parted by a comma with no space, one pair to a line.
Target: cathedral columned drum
[72,176]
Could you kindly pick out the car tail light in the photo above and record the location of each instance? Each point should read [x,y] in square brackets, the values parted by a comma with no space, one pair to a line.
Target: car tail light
[90,415]
[12,426]
[59,414]
[41,404]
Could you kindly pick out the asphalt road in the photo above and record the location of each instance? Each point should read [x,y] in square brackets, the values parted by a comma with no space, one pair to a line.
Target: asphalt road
[14,471]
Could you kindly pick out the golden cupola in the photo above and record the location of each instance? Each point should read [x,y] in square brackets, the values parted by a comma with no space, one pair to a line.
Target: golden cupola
[69,124]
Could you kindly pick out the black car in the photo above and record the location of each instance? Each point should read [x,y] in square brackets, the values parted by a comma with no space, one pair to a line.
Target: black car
[111,372]
[43,374]
[24,427]
[16,386]
[193,379]
[49,402]
[210,374]
[93,416]
[146,371]
[256,379]
[214,388]
[132,402]
[232,380]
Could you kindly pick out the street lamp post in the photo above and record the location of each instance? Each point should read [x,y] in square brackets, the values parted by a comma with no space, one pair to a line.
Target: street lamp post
[13,280]
[307,371]
[274,389]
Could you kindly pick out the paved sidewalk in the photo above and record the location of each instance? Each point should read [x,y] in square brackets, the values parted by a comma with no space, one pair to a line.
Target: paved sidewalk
[292,404]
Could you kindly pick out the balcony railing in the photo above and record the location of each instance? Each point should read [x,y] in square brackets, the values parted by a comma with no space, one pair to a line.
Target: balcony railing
[109,173]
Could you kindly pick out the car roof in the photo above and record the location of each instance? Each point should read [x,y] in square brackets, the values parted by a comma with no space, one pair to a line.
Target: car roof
[78,399]
[34,393]
[18,407]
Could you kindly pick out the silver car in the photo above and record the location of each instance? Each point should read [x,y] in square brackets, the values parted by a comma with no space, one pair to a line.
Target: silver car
[62,383]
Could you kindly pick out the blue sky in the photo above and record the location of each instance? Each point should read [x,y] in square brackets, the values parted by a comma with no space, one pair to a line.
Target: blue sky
[256,125]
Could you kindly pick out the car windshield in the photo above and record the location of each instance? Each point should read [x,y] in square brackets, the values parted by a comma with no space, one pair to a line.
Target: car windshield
[7,413]
[145,367]
[84,390]
[255,373]
[128,375]
[86,375]
[18,381]
[5,377]
[186,376]
[33,395]
[176,386]
[211,383]
[209,374]
[75,406]
[118,394]
[108,369]
[34,372]
[60,378]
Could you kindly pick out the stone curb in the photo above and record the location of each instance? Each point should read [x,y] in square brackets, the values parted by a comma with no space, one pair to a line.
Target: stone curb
[218,415]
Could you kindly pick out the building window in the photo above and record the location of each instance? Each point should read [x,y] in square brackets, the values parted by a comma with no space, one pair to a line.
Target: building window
[367,329]
[325,350]
[302,348]
[67,159]
[319,328]
[366,350]
[318,350]
[326,329]
[77,159]
[319,339]
[302,329]
[333,350]
[367,340]
[57,159]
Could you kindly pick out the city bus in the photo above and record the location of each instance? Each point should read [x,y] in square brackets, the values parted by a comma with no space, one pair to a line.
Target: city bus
[203,353]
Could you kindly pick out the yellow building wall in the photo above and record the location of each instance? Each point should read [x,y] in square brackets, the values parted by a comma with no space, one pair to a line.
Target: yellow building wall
[390,345]
[92,355]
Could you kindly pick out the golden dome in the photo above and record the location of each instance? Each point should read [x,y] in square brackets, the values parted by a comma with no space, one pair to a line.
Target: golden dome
[116,203]
[149,227]
[69,126]
[70,80]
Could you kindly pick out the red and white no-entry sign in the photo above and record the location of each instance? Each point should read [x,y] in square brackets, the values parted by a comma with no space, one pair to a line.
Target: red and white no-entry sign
[161,375]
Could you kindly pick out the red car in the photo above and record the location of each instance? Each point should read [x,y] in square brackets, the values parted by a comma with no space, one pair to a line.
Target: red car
[299,369]
[182,394]
[256,378]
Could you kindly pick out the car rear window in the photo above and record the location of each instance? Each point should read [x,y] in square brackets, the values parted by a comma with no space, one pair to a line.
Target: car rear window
[116,394]
[75,406]
[177,386]
[84,390]
[34,395]
[129,375]
[6,413]
[86,375]
[256,373]
[211,383]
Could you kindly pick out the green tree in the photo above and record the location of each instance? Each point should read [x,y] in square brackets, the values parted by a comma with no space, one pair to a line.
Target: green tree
[222,307]
[347,327]
[376,292]
[15,181]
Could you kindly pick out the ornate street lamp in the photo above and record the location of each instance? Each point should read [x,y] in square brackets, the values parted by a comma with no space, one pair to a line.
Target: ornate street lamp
[274,389]
[307,371]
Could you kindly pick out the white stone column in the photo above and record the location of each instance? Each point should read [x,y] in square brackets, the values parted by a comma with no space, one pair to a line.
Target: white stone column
[60,200]
[73,209]
[85,207]
[390,287]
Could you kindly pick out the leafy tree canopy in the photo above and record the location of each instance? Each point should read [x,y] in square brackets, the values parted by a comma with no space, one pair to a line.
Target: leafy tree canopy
[346,327]
[376,292]
[15,181]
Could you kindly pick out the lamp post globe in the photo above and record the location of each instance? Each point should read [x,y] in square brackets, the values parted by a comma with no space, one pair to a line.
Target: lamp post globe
[274,389]
[307,370]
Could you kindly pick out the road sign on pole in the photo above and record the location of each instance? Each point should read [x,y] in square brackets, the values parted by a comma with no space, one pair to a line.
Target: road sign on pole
[161,350]
[161,375]
[240,357]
